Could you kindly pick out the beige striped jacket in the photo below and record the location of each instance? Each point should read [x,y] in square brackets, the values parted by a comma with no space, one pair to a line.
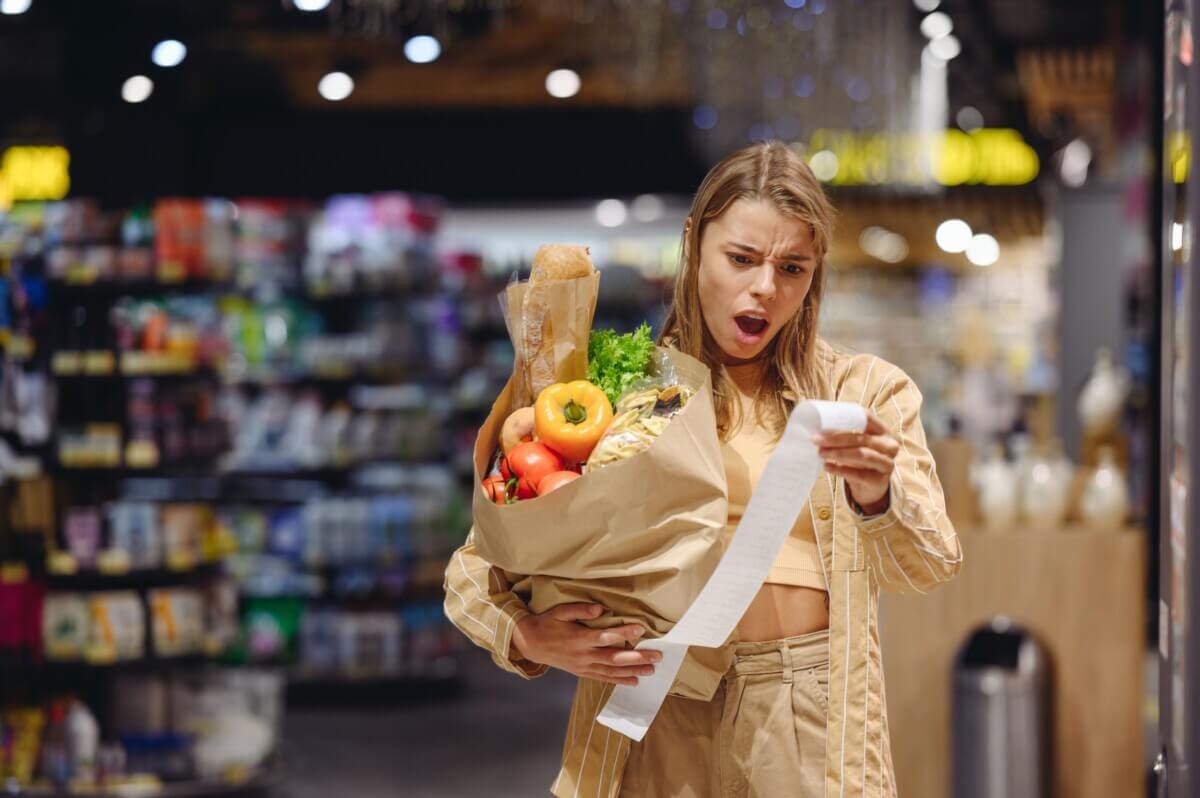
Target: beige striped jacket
[912,547]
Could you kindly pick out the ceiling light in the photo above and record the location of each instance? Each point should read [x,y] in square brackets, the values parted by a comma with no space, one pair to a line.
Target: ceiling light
[647,208]
[983,250]
[563,83]
[422,49]
[883,244]
[14,7]
[969,118]
[336,86]
[936,25]
[311,5]
[945,47]
[137,89]
[926,5]
[1076,158]
[953,235]
[824,165]
[705,117]
[168,53]
[611,213]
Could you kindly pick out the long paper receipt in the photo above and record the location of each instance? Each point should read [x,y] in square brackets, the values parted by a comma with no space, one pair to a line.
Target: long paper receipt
[786,482]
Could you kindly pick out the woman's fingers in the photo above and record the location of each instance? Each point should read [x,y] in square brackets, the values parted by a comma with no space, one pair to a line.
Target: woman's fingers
[859,457]
[855,440]
[855,474]
[612,672]
[635,657]
[618,636]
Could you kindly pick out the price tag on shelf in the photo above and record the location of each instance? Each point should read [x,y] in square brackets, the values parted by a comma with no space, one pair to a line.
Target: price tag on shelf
[141,454]
[20,347]
[13,573]
[81,274]
[100,654]
[170,271]
[181,561]
[98,361]
[66,362]
[61,562]
[114,562]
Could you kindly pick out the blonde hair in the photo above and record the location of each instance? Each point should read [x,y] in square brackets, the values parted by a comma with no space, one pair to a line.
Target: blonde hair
[771,172]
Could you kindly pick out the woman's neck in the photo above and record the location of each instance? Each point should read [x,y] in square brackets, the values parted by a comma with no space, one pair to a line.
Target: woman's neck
[747,375]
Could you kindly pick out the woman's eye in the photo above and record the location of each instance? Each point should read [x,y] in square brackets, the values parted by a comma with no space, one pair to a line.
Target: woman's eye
[740,259]
[793,268]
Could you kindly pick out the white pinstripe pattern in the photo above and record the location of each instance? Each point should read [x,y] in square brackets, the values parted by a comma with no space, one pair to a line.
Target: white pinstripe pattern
[603,760]
[867,684]
[586,744]
[846,691]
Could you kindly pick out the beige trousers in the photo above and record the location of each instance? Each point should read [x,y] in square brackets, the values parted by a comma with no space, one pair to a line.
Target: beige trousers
[762,735]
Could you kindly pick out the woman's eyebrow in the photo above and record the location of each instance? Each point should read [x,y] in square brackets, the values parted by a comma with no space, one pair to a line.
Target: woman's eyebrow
[755,251]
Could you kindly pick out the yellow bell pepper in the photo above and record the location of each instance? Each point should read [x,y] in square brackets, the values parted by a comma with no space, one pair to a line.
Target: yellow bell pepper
[570,417]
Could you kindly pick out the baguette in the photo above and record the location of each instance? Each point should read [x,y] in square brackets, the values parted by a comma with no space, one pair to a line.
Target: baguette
[561,262]
[552,262]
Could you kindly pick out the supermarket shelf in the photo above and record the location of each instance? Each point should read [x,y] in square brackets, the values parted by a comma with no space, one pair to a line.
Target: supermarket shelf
[132,579]
[145,287]
[334,377]
[340,691]
[257,784]
[72,669]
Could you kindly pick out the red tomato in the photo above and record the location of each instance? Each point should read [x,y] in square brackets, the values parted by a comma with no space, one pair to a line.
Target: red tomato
[496,489]
[524,488]
[555,481]
[530,462]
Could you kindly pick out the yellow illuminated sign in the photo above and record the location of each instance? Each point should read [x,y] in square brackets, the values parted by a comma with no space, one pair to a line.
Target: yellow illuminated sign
[34,173]
[987,156]
[1179,155]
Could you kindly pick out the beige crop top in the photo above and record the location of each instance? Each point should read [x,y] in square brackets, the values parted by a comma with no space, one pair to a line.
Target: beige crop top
[745,455]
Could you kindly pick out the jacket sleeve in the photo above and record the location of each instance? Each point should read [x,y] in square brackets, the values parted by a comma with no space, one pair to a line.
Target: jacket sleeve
[912,546]
[481,603]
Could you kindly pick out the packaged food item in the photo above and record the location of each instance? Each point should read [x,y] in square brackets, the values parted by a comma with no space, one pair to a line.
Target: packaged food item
[184,527]
[81,530]
[642,416]
[23,729]
[117,628]
[369,644]
[220,615]
[65,625]
[133,528]
[177,621]
[319,641]
[271,627]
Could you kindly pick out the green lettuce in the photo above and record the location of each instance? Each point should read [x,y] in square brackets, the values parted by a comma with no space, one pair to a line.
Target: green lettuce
[615,362]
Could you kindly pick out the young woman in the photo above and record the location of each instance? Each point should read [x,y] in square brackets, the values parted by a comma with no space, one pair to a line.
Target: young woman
[796,705]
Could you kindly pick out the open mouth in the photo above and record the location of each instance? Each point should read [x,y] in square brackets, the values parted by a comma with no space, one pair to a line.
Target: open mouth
[751,325]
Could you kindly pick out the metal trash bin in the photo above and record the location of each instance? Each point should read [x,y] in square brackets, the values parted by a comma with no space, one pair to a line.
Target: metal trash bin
[1001,715]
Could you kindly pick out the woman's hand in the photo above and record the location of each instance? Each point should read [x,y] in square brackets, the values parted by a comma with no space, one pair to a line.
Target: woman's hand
[555,638]
[865,460]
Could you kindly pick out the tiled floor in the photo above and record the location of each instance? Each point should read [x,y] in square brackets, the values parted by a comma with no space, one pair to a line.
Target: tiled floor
[501,739]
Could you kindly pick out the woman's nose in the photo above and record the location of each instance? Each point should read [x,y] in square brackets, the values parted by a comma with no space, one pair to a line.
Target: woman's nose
[763,287]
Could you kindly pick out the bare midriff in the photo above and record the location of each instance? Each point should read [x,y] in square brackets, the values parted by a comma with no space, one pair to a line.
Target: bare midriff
[780,611]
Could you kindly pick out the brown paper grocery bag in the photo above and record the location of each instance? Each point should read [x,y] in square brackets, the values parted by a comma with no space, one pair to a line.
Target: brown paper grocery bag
[640,536]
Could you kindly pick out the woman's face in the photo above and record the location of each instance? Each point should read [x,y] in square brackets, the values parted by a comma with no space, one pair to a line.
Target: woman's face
[756,266]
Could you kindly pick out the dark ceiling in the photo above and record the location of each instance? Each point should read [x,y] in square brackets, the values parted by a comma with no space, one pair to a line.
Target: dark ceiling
[240,116]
